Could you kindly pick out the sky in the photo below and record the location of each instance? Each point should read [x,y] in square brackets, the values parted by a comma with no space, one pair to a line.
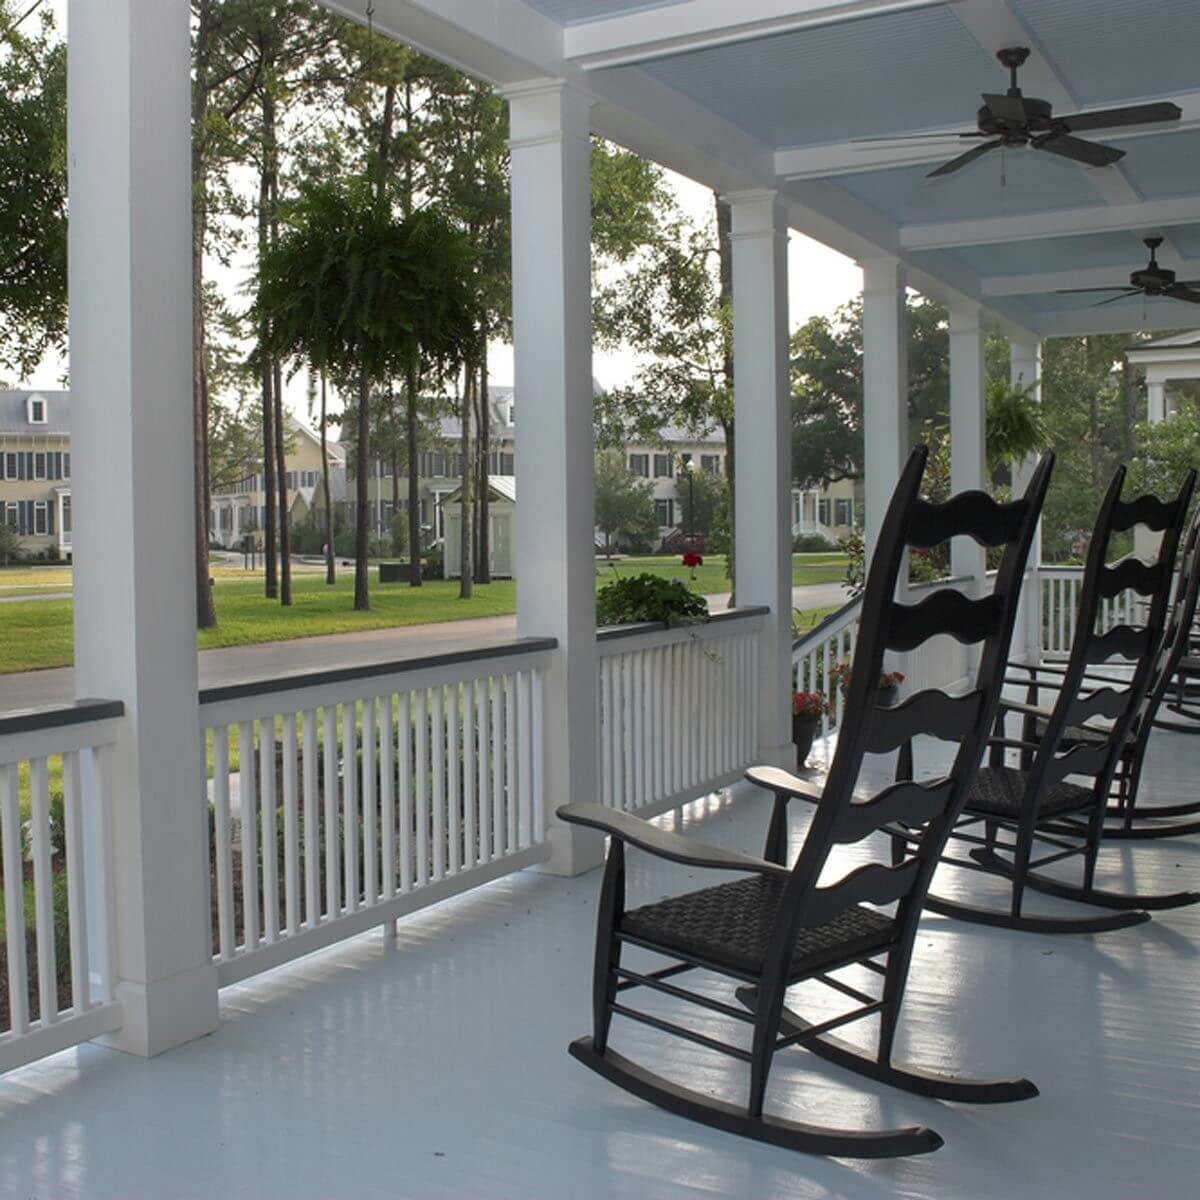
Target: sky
[820,280]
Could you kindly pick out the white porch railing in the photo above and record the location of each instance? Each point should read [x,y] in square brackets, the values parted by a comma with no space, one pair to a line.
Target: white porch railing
[58,977]
[678,709]
[940,663]
[364,794]
[1060,605]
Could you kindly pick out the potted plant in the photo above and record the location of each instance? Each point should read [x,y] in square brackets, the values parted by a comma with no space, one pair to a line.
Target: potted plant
[807,710]
[889,683]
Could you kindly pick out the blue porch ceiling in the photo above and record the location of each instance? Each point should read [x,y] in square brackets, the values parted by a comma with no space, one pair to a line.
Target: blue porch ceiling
[794,89]
[1051,254]
[1117,50]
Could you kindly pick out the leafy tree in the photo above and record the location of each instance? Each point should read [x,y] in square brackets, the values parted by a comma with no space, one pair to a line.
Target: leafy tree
[10,545]
[624,501]
[33,189]
[350,287]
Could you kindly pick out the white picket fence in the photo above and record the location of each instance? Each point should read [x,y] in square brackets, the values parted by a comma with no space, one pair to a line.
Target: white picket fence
[365,794]
[678,710]
[63,855]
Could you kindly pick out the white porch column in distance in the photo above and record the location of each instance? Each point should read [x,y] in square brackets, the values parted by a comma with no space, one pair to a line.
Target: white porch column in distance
[555,453]
[135,605]
[763,467]
[885,387]
[1156,398]
[1025,370]
[967,428]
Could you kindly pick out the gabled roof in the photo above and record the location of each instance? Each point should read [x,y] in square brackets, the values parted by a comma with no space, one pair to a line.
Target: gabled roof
[501,487]
[14,413]
[1177,341]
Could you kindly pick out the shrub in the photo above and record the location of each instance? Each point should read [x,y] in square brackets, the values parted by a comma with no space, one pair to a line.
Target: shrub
[433,565]
[630,599]
[810,543]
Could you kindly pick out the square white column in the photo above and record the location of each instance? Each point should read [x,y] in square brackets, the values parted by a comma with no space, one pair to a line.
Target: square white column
[135,574]
[762,406]
[1156,401]
[554,560]
[885,387]
[1024,371]
[968,415]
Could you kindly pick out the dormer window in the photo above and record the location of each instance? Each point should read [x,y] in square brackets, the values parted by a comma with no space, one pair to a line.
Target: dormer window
[512,408]
[37,410]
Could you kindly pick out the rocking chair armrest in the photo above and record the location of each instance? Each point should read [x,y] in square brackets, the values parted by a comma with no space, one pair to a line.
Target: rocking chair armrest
[1013,743]
[663,843]
[1030,710]
[784,783]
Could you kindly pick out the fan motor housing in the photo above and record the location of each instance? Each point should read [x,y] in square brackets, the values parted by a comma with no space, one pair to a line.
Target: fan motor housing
[1153,279]
[1038,119]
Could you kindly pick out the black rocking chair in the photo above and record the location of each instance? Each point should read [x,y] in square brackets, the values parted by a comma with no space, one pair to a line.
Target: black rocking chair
[1037,801]
[1128,818]
[777,927]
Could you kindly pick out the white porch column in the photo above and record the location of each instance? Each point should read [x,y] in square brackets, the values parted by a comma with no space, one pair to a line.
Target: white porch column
[555,454]
[1025,370]
[885,387]
[1156,397]
[967,428]
[135,624]
[763,451]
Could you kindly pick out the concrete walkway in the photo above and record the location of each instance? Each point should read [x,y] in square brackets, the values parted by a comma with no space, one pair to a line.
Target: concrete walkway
[237,664]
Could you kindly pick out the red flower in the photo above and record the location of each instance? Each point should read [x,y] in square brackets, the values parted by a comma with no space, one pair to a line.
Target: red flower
[692,559]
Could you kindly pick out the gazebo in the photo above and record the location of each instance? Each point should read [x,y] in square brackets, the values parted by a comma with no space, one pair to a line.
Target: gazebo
[774,104]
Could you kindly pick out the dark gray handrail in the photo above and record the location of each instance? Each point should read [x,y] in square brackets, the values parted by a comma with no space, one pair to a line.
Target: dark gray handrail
[306,679]
[613,633]
[59,716]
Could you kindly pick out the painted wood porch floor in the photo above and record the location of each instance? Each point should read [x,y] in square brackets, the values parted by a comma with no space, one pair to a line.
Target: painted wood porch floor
[440,1069]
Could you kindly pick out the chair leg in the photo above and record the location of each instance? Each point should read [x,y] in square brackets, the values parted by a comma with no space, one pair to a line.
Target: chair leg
[777,833]
[608,948]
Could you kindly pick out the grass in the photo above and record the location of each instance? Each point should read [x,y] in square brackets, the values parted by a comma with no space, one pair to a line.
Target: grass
[37,634]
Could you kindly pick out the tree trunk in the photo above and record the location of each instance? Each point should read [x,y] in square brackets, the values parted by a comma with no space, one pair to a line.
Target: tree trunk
[725,259]
[267,382]
[1129,397]
[362,600]
[485,409]
[285,533]
[466,581]
[330,569]
[414,488]
[206,616]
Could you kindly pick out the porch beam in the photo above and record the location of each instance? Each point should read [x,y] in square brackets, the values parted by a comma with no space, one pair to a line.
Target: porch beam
[762,451]
[1072,222]
[1129,316]
[658,32]
[849,158]
[885,386]
[554,560]
[135,576]
[967,426]
[1041,282]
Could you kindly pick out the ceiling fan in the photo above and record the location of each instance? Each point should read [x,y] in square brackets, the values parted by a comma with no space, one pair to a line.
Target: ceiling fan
[1151,280]
[1012,119]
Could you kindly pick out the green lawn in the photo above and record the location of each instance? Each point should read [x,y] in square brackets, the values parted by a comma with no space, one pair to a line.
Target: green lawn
[37,634]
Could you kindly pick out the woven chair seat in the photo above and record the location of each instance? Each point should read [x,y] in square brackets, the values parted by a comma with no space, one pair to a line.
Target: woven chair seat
[1076,735]
[1000,792]
[730,925]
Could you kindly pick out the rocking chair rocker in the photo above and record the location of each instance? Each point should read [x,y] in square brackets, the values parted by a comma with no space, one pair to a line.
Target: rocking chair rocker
[1037,801]
[777,927]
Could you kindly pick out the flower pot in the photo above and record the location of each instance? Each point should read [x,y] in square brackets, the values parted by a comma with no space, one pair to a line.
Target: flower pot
[804,730]
[888,696]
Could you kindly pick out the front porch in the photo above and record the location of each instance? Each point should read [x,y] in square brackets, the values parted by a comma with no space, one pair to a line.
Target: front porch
[439,1068]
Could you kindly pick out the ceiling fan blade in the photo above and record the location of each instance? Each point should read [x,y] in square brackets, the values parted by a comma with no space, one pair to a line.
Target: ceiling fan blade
[1111,118]
[1113,299]
[916,137]
[1091,154]
[1181,291]
[1080,291]
[1006,108]
[956,164]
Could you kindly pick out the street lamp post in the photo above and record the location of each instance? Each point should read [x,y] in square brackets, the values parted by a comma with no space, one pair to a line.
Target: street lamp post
[690,470]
